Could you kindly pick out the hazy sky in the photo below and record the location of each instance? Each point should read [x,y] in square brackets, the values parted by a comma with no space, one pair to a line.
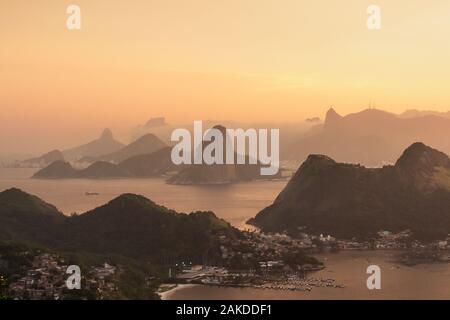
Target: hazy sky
[244,60]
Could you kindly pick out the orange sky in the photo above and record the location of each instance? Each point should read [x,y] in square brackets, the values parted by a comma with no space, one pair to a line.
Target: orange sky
[244,60]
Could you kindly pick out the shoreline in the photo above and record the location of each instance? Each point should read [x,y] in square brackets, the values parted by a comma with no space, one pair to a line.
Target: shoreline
[167,294]
[348,268]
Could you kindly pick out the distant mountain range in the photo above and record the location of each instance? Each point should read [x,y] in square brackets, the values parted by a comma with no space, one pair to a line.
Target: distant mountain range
[413,113]
[130,225]
[41,161]
[372,137]
[347,200]
[289,131]
[158,163]
[140,166]
[106,144]
[148,156]
[197,174]
[156,122]
[146,144]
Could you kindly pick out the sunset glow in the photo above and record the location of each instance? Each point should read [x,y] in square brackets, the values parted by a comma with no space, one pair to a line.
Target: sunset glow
[252,60]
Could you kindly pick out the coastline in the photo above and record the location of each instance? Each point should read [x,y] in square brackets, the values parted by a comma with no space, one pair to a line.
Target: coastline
[424,281]
[167,294]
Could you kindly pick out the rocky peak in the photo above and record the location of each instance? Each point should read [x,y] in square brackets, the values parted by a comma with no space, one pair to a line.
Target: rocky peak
[107,135]
[331,118]
[420,156]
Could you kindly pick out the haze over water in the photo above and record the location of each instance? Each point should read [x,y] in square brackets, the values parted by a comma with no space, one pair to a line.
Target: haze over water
[235,203]
[239,60]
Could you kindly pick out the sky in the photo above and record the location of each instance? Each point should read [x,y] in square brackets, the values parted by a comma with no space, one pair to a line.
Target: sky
[241,60]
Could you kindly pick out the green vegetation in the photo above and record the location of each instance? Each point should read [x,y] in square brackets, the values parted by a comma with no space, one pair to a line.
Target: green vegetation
[130,225]
[349,201]
[130,232]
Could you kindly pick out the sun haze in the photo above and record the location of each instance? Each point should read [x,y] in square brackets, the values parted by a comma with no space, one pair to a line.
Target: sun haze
[251,60]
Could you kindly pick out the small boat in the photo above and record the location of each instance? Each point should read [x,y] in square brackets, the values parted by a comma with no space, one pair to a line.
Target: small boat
[91,193]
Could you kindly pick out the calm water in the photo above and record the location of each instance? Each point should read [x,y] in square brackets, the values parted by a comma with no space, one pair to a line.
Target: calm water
[235,203]
[430,281]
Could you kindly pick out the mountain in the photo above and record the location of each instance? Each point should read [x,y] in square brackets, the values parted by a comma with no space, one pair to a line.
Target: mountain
[129,225]
[413,113]
[150,165]
[332,118]
[97,170]
[348,200]
[102,169]
[43,160]
[156,122]
[155,164]
[105,144]
[218,173]
[371,137]
[57,170]
[142,166]
[146,144]
[27,218]
[20,202]
[135,226]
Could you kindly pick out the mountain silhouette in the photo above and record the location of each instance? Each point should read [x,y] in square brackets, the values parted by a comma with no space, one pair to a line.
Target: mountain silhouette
[332,118]
[129,225]
[348,200]
[43,160]
[146,144]
[105,144]
[26,218]
[141,166]
[218,173]
[57,170]
[156,122]
[135,226]
[371,137]
[150,165]
[413,113]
